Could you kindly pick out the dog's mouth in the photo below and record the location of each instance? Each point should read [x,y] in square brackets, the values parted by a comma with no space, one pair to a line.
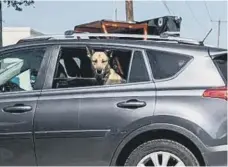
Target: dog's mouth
[99,74]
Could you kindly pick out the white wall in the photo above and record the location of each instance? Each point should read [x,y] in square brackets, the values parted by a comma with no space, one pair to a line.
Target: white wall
[11,35]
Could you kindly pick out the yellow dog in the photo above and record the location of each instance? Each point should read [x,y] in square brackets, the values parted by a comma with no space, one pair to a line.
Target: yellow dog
[103,72]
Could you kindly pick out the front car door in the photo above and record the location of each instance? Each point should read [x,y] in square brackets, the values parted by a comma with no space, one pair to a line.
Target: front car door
[56,119]
[21,76]
[80,123]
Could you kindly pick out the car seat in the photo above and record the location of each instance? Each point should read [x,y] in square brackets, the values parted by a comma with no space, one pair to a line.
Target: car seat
[61,73]
[72,67]
[115,63]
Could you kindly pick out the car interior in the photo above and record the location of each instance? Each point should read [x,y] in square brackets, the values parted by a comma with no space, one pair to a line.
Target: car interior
[19,73]
[74,67]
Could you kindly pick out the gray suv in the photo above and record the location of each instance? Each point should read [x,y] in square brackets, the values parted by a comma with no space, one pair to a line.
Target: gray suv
[171,109]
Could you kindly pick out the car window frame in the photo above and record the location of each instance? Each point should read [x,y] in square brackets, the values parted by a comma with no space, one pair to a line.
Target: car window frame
[145,63]
[56,56]
[42,71]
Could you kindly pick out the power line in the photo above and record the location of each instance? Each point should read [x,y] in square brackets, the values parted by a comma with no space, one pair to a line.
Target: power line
[205,3]
[221,21]
[193,15]
[115,10]
[219,27]
[208,12]
[166,6]
[215,21]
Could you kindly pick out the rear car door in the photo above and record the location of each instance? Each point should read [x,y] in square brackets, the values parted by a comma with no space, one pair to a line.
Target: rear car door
[81,123]
[21,77]
[108,112]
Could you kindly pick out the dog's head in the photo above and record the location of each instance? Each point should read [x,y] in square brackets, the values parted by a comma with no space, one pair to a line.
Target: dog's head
[100,62]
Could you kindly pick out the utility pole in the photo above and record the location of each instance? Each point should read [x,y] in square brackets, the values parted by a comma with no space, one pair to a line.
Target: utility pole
[219,27]
[115,11]
[116,14]
[219,24]
[129,10]
[1,23]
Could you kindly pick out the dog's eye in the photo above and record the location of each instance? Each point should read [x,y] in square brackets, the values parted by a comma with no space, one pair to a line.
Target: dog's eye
[94,61]
[104,61]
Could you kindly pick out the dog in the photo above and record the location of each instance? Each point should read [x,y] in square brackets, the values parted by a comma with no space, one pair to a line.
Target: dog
[103,72]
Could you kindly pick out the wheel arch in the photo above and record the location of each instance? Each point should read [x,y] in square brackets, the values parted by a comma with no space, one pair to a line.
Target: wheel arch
[146,133]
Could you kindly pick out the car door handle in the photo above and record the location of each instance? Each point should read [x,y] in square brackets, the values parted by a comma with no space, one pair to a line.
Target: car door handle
[131,104]
[18,108]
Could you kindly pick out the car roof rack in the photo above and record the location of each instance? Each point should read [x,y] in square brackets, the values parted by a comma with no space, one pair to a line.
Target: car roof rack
[165,37]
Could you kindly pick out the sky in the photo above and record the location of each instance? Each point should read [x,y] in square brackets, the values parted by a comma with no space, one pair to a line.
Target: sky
[55,17]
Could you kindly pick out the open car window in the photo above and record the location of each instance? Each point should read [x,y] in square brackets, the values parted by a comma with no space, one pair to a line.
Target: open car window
[97,66]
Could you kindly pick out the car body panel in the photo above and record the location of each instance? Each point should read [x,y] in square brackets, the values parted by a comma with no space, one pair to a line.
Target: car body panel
[108,116]
[196,109]
[56,127]
[69,130]
[84,129]
[16,130]
[60,141]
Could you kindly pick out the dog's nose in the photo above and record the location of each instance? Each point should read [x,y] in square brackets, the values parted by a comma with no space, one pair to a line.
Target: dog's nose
[99,71]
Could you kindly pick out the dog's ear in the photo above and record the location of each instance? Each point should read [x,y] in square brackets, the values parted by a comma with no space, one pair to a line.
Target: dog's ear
[108,53]
[89,51]
[111,54]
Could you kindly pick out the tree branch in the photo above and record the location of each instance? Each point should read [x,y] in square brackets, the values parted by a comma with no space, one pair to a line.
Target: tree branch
[17,4]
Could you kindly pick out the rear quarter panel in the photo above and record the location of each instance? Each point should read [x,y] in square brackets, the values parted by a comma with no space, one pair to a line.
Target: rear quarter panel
[205,117]
[181,97]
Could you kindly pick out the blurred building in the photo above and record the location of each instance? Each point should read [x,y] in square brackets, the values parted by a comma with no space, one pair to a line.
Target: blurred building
[11,35]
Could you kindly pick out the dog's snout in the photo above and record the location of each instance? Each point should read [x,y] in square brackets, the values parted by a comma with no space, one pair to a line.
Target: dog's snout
[99,71]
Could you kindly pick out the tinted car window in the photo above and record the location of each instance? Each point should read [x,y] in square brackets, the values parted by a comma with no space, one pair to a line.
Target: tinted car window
[221,63]
[139,71]
[164,64]
[19,69]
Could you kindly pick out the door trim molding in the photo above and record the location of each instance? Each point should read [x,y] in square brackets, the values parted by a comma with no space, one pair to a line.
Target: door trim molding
[71,133]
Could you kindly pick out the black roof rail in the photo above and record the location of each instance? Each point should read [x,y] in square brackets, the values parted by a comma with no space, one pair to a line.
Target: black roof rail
[34,39]
[72,35]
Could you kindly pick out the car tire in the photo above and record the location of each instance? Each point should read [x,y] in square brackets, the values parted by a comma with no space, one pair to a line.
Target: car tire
[162,149]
